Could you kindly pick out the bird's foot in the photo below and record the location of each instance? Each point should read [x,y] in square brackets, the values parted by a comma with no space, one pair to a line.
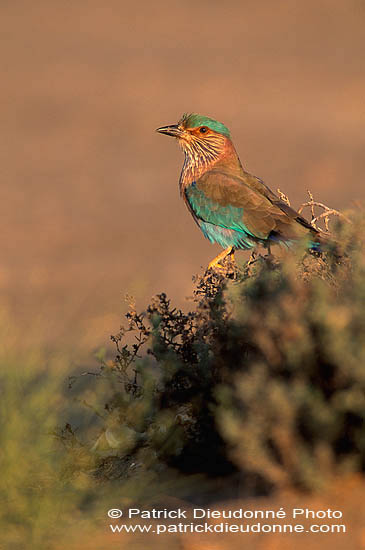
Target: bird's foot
[219,263]
[215,264]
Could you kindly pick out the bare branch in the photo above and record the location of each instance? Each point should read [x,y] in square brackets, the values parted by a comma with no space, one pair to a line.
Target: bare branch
[323,216]
[284,197]
[330,212]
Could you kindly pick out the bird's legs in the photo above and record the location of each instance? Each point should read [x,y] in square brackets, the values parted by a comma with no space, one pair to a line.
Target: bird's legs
[216,262]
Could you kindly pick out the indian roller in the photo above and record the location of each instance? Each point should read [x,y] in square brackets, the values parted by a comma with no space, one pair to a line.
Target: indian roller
[232,207]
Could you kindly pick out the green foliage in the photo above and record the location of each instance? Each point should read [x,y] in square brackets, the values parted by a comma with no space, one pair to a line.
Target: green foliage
[42,506]
[264,377]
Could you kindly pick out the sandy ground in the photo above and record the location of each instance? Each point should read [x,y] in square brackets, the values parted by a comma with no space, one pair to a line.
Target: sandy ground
[89,204]
[345,497]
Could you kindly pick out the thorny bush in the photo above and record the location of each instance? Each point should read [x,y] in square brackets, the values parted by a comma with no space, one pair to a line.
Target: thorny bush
[264,377]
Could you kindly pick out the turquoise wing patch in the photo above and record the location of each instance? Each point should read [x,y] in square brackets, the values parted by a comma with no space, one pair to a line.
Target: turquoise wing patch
[207,210]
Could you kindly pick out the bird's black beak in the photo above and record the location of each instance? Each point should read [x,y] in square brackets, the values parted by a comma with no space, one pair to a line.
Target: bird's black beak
[173,130]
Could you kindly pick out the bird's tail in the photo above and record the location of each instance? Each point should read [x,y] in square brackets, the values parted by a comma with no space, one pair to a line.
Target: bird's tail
[322,242]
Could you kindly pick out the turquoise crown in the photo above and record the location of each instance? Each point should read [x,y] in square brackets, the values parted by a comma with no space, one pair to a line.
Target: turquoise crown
[194,120]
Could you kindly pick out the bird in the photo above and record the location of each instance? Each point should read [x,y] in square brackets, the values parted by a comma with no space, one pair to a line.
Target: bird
[232,207]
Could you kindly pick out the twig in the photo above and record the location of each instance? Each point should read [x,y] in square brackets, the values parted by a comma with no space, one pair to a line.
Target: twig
[330,212]
[324,215]
[284,197]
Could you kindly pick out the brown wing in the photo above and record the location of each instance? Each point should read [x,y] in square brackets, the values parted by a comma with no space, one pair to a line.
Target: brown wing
[258,185]
[262,211]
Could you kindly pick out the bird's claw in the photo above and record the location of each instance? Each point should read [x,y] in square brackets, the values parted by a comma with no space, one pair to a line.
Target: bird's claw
[216,265]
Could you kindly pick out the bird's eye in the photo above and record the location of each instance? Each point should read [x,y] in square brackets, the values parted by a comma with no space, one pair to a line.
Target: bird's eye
[203,129]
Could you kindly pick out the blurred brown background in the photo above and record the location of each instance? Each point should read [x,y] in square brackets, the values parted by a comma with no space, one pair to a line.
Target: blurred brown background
[90,207]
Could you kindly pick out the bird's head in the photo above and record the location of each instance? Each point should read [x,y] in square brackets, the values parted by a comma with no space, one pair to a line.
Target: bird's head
[199,136]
